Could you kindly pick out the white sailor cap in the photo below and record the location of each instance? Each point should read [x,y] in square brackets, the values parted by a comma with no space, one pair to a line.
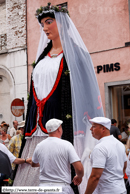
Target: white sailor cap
[53,125]
[102,121]
[21,124]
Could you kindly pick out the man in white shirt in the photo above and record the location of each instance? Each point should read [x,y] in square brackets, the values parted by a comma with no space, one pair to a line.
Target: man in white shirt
[11,157]
[108,160]
[12,131]
[54,157]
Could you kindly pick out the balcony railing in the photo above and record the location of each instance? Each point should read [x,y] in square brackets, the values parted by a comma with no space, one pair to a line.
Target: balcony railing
[3,41]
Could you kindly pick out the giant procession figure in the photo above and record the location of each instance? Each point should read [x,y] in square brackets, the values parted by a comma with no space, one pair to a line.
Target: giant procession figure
[63,86]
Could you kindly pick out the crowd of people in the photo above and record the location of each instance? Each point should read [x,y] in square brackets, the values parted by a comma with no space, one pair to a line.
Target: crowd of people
[11,138]
[54,157]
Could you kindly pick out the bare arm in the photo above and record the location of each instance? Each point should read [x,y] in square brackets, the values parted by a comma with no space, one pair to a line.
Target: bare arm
[29,161]
[21,161]
[79,172]
[93,180]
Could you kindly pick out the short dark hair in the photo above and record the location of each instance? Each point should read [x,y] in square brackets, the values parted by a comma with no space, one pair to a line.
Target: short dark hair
[113,121]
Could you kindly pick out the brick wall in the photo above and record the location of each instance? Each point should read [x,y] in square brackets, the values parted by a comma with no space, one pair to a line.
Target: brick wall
[16,23]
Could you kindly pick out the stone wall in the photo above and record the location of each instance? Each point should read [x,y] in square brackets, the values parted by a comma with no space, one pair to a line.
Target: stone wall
[13,57]
[2,18]
[16,23]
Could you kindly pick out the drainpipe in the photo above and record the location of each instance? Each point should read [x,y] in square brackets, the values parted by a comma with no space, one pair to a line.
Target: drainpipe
[128,43]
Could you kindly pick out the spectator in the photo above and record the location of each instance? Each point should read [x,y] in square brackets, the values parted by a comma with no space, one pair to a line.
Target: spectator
[54,156]
[0,126]
[128,146]
[125,135]
[12,131]
[11,157]
[4,137]
[16,141]
[115,130]
[108,160]
[18,132]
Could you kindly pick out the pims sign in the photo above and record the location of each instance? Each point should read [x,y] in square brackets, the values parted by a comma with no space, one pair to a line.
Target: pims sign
[108,67]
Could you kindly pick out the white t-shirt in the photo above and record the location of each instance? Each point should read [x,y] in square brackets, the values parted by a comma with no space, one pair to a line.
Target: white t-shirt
[109,154]
[124,135]
[12,132]
[55,156]
[5,150]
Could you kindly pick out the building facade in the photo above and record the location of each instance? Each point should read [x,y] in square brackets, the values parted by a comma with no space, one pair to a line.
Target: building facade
[13,57]
[105,28]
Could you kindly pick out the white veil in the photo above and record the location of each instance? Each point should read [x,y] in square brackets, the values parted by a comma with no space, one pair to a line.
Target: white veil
[86,101]
[85,93]
[42,43]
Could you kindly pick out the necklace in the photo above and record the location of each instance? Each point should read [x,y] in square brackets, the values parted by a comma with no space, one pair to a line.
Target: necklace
[54,55]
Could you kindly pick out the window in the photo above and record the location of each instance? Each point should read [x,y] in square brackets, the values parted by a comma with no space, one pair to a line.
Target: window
[120,102]
[64,4]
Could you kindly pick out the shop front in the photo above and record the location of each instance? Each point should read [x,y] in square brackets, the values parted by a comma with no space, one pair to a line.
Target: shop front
[117,102]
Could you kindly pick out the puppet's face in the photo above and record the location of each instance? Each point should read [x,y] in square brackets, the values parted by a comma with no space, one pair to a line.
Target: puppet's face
[50,28]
